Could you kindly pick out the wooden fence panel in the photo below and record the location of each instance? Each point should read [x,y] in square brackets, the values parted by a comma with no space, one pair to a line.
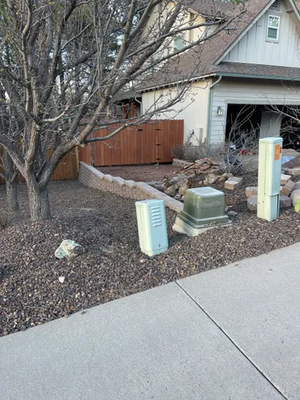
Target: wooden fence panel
[67,169]
[143,144]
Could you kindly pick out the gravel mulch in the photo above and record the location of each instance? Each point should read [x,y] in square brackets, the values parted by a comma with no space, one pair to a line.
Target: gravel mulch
[113,266]
[294,163]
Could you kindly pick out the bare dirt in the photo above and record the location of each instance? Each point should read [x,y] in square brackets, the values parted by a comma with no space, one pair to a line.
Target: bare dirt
[113,266]
[141,173]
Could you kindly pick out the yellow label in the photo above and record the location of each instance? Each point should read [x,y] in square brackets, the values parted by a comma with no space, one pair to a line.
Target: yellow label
[277,151]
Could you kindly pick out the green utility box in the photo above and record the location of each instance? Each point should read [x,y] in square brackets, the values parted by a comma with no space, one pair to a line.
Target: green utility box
[152,226]
[204,208]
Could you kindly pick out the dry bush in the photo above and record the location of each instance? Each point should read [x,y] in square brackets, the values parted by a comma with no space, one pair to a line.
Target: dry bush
[177,151]
[238,155]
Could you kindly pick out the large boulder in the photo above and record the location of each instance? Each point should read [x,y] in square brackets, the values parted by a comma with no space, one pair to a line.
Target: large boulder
[68,249]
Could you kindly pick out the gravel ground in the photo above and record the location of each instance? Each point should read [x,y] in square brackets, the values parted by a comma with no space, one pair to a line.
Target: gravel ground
[113,266]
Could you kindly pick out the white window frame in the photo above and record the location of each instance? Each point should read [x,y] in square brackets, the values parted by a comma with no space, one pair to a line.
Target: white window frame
[272,27]
[179,37]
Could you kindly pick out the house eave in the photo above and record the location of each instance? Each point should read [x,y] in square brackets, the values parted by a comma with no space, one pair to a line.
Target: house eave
[265,77]
[199,78]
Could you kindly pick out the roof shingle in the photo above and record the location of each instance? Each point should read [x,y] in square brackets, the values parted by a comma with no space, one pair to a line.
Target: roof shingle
[202,59]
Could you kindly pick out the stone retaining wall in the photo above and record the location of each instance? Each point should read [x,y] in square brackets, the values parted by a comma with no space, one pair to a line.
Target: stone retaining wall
[180,163]
[91,177]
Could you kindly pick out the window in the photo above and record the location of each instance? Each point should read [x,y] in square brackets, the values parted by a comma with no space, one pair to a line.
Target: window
[273,27]
[179,42]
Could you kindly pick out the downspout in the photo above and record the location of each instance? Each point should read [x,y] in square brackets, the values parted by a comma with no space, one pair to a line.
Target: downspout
[141,105]
[209,114]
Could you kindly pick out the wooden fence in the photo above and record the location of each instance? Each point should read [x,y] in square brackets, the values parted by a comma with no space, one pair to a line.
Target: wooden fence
[68,168]
[143,144]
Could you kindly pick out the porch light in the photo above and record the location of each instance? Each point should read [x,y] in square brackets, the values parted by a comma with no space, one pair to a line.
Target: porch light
[219,111]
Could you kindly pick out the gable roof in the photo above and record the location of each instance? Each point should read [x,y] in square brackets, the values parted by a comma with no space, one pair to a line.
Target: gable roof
[205,59]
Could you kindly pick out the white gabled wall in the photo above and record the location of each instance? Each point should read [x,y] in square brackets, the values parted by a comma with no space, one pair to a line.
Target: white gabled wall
[254,48]
[247,91]
[193,108]
[157,19]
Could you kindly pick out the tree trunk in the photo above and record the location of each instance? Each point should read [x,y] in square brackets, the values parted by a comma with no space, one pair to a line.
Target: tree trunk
[12,195]
[38,202]
[11,183]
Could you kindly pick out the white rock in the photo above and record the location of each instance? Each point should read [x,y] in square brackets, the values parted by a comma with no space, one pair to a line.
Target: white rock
[68,249]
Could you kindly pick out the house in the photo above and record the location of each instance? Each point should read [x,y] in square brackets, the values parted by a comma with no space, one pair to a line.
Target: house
[253,63]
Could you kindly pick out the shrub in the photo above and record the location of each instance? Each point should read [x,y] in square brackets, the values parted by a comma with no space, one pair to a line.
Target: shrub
[177,151]
[230,158]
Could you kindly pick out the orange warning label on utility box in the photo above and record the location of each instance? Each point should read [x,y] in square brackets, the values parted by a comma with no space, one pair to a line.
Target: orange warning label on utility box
[277,151]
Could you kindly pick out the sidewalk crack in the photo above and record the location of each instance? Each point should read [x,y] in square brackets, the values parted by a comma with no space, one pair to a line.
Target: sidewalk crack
[232,341]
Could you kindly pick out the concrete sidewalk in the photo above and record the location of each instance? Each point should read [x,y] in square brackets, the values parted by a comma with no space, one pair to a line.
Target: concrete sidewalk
[231,333]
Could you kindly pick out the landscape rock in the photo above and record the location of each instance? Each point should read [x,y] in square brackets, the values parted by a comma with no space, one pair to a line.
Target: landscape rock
[183,188]
[252,203]
[210,179]
[165,183]
[172,190]
[232,213]
[68,249]
[251,191]
[295,198]
[287,188]
[182,176]
[177,196]
[294,171]
[204,166]
[174,180]
[158,186]
[285,201]
[225,176]
[284,179]
[233,183]
[297,185]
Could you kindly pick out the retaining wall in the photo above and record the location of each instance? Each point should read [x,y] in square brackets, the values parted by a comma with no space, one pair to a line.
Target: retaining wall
[181,163]
[91,177]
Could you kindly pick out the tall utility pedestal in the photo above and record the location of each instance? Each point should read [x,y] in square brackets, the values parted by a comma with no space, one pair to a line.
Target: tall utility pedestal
[269,174]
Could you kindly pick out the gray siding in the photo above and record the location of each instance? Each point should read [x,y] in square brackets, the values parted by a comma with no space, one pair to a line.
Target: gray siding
[256,49]
[247,92]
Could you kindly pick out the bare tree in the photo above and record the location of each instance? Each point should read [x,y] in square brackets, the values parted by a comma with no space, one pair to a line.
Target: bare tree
[8,170]
[63,64]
